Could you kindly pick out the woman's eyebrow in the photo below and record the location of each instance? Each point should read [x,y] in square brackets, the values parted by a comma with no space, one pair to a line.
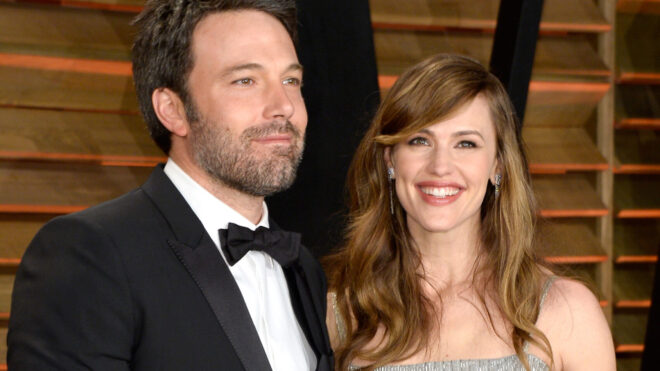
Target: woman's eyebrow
[467,132]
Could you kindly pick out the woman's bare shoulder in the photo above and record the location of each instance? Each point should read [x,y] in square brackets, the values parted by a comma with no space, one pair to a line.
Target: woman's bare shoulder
[574,322]
[566,291]
[570,305]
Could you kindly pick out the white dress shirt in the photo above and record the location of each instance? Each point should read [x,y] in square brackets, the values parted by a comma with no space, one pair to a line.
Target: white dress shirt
[259,277]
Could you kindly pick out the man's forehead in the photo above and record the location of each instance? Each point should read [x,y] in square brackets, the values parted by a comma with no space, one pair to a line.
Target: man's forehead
[243,32]
[234,23]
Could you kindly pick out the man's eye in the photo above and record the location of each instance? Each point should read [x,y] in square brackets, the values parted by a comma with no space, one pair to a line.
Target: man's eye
[293,81]
[245,81]
[418,141]
[466,144]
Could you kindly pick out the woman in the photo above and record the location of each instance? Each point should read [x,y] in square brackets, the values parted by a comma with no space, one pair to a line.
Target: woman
[439,269]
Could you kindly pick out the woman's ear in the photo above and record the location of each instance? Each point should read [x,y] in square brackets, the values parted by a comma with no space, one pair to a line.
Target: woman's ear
[170,111]
[387,154]
[495,172]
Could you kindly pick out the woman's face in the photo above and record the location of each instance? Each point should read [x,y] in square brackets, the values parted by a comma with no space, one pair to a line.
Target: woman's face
[442,171]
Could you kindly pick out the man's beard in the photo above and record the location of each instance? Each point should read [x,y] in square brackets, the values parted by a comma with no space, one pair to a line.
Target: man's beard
[233,162]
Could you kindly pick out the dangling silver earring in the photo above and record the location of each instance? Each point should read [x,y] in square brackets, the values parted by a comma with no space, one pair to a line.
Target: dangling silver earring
[498,183]
[390,178]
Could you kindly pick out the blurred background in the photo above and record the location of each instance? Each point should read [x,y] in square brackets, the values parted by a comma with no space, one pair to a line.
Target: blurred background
[71,135]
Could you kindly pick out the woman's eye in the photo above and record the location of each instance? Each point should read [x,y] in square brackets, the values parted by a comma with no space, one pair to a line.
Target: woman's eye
[466,144]
[418,141]
[245,81]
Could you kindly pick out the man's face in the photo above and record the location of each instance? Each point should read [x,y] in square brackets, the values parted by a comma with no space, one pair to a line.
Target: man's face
[247,115]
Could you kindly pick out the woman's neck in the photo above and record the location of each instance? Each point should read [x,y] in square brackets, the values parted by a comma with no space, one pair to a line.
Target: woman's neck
[449,258]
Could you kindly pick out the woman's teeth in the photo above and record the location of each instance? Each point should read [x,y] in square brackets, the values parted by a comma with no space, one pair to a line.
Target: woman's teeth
[440,192]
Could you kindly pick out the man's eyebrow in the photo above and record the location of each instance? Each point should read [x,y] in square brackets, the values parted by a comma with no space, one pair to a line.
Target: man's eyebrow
[257,66]
[242,67]
[467,132]
[294,67]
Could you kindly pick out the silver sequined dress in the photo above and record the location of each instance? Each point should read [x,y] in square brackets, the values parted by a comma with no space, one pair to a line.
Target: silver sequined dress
[508,363]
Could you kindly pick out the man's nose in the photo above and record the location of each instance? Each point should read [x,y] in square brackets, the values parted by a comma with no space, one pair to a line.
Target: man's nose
[278,103]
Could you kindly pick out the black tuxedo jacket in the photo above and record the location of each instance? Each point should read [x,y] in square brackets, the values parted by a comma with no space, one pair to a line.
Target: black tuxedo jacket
[137,284]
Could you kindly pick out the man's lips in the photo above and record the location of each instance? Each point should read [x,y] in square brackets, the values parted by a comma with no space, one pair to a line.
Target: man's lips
[274,139]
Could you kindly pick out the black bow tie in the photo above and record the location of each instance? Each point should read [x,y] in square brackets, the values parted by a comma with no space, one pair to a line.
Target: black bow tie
[282,246]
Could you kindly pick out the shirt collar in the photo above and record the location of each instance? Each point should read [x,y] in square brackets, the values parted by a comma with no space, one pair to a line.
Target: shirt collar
[213,213]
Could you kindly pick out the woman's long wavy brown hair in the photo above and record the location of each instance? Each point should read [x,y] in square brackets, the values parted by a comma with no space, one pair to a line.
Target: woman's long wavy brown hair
[377,274]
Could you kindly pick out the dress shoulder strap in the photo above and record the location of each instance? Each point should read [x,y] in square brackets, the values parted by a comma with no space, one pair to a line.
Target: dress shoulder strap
[544,294]
[544,291]
[339,322]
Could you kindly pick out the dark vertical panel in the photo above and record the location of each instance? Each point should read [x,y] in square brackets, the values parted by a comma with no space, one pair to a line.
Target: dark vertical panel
[341,93]
[514,45]
[651,356]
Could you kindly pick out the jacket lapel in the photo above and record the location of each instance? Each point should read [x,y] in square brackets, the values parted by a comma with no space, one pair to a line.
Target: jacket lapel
[309,314]
[211,274]
[197,252]
[308,302]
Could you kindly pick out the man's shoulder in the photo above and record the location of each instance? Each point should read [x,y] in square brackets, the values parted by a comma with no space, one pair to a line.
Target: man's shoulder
[127,211]
[129,206]
[132,206]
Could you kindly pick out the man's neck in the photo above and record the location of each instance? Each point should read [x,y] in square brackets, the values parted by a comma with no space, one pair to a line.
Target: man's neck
[249,206]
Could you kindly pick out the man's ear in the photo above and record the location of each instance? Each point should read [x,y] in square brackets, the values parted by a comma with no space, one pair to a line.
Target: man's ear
[170,111]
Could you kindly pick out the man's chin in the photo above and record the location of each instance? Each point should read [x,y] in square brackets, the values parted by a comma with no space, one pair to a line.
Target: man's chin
[269,190]
[280,175]
[271,150]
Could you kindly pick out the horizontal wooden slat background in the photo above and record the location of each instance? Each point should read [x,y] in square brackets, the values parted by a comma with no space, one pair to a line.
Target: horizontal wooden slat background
[72,135]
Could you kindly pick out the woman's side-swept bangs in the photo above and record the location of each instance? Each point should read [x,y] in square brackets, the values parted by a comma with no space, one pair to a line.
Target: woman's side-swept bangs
[429,93]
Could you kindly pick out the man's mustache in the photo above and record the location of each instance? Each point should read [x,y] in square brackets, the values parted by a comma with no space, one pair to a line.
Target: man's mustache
[275,127]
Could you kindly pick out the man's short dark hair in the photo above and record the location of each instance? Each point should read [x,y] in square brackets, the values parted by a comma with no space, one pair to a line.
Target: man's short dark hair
[162,55]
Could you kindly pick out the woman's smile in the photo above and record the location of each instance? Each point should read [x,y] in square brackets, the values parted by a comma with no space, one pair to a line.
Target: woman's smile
[442,172]
[439,194]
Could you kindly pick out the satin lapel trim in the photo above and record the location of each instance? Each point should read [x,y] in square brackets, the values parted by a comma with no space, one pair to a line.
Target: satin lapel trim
[311,314]
[296,278]
[213,277]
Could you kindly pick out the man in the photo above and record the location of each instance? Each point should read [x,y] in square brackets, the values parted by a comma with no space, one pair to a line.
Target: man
[156,279]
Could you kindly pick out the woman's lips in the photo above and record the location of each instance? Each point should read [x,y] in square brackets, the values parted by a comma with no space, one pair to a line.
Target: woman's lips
[439,194]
